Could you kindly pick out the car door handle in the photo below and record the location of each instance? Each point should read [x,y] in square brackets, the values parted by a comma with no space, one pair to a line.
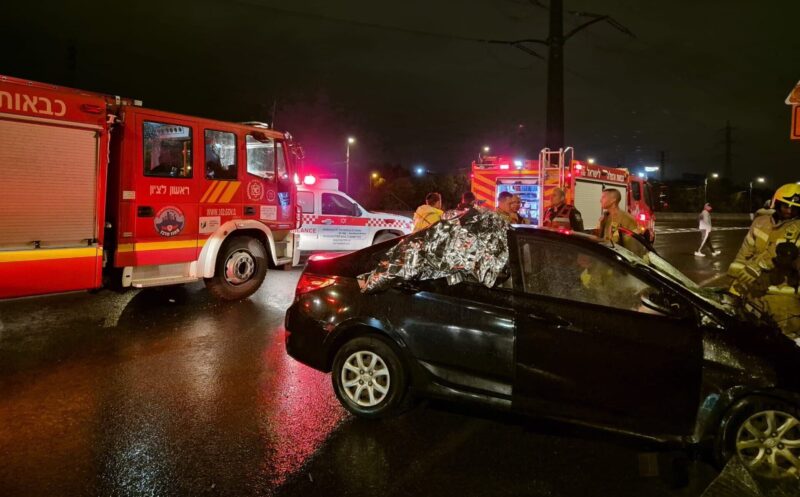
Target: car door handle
[145,211]
[553,321]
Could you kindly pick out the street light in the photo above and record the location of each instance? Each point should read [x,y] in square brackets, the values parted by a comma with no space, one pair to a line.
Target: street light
[486,149]
[350,141]
[590,160]
[705,187]
[373,178]
[760,179]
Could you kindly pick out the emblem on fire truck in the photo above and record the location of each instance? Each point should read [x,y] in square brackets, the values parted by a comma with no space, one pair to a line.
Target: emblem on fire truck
[255,190]
[169,221]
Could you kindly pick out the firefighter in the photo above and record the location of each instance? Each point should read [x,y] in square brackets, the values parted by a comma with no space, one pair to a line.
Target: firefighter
[766,268]
[507,208]
[560,214]
[613,217]
[428,213]
[467,201]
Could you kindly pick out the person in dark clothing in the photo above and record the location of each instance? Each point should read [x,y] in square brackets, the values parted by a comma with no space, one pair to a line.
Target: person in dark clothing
[560,214]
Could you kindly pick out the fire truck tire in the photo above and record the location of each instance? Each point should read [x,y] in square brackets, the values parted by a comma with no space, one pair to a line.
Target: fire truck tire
[241,268]
[382,237]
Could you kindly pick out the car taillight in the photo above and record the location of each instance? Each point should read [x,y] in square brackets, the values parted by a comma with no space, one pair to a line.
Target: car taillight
[309,283]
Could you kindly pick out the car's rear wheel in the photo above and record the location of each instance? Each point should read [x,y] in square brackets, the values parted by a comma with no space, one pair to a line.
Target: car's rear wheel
[369,378]
[382,237]
[765,434]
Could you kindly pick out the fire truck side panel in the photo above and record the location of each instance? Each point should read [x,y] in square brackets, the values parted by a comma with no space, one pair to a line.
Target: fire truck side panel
[53,154]
[587,200]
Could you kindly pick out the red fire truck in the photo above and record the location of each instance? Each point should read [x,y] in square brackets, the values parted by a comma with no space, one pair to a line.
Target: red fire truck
[533,180]
[99,190]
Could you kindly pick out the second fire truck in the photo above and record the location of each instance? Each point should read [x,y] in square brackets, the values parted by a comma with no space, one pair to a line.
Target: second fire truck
[534,180]
[100,190]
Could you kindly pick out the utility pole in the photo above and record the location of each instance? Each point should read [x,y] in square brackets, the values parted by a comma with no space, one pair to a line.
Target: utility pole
[554,137]
[662,164]
[554,133]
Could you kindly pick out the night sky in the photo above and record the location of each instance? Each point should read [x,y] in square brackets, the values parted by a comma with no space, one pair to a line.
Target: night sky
[406,79]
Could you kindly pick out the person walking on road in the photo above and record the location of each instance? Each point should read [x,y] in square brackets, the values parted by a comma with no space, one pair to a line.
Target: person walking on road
[705,232]
[428,213]
[560,214]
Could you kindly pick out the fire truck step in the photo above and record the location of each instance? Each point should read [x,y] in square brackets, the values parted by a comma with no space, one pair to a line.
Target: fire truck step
[284,263]
[165,280]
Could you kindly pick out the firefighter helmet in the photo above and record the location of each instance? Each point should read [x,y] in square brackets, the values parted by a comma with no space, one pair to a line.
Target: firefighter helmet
[789,194]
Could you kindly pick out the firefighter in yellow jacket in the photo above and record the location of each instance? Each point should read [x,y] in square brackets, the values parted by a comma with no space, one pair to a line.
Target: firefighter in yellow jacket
[428,213]
[766,269]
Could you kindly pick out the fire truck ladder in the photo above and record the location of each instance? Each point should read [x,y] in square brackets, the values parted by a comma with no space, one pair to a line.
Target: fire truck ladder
[552,172]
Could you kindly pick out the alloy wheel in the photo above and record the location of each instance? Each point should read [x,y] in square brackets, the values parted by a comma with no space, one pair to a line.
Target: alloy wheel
[365,378]
[768,442]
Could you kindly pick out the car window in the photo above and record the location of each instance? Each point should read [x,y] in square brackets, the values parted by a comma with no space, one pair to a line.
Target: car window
[636,191]
[220,155]
[336,205]
[260,157]
[167,150]
[567,272]
[306,201]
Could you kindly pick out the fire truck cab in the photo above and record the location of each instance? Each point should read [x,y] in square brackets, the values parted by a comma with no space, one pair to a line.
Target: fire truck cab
[104,191]
[534,180]
[333,221]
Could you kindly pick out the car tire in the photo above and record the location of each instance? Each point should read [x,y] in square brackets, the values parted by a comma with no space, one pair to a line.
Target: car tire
[756,430]
[369,378]
[382,237]
[241,268]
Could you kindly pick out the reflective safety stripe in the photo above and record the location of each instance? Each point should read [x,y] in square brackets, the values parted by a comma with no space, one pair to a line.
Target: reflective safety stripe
[45,254]
[761,234]
[147,246]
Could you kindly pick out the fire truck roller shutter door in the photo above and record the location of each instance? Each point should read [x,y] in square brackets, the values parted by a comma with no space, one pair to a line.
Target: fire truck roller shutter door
[587,201]
[49,187]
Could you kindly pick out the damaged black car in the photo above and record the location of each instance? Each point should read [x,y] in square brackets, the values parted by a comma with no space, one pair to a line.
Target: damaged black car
[570,327]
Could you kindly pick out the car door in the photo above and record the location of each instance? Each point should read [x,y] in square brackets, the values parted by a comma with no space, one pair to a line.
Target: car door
[308,231]
[463,334]
[167,189]
[589,349]
[341,224]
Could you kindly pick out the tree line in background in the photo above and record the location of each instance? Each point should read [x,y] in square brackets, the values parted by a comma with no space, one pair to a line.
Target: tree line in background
[394,187]
[724,196]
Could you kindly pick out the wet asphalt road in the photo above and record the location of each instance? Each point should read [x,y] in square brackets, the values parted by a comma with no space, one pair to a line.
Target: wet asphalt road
[167,392]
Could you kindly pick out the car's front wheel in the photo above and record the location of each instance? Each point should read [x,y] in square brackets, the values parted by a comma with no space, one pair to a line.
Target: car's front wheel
[765,434]
[369,378]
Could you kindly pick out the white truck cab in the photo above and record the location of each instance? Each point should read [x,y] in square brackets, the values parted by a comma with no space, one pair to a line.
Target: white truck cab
[333,221]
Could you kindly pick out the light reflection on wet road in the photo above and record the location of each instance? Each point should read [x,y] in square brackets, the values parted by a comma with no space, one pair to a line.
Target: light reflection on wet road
[166,392]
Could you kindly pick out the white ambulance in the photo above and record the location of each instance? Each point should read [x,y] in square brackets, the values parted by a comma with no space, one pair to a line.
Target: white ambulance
[333,221]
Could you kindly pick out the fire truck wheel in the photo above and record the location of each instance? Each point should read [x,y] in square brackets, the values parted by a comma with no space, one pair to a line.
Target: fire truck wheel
[382,237]
[240,270]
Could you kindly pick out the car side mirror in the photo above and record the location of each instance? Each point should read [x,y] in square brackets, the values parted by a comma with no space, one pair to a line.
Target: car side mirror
[663,304]
[653,306]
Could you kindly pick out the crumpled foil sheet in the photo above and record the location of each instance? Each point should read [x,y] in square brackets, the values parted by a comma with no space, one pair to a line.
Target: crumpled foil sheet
[464,246]
[736,480]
